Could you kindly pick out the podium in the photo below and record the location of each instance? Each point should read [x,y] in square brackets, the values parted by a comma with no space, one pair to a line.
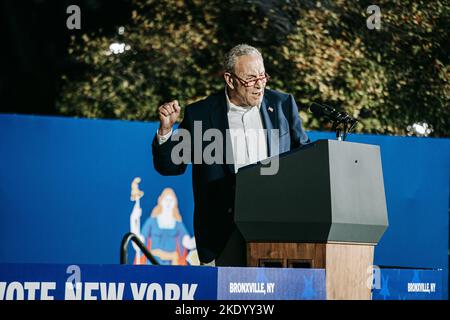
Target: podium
[324,208]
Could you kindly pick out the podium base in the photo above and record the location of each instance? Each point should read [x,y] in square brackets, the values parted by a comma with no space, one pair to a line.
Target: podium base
[347,265]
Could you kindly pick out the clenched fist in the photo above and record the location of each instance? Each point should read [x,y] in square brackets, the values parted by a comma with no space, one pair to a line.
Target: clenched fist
[168,115]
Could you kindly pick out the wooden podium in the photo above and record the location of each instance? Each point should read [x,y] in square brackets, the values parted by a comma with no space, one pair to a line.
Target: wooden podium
[325,208]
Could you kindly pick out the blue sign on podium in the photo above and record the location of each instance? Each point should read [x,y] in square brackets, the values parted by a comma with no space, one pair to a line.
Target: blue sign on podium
[271,284]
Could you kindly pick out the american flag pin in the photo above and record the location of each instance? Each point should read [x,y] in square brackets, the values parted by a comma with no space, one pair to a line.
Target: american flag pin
[270,109]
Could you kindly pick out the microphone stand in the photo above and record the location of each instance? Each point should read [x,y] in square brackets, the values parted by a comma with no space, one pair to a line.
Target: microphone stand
[343,125]
[339,134]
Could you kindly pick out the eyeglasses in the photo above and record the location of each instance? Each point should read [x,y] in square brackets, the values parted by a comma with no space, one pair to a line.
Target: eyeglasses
[252,82]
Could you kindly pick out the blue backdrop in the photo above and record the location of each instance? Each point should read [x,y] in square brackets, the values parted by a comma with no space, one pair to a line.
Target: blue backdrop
[65,191]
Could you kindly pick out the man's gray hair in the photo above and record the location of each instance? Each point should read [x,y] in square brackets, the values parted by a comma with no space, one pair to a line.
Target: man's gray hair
[237,51]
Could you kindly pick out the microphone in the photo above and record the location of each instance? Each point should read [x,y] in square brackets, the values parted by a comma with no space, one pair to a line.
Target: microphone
[324,111]
[342,122]
[330,113]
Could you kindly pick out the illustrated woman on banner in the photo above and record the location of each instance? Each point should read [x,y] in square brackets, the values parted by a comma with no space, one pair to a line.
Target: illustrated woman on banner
[166,236]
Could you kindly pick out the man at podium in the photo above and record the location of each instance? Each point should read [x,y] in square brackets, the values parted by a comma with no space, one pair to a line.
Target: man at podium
[236,127]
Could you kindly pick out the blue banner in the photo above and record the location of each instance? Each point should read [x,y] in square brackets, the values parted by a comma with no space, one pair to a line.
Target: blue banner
[409,284]
[106,282]
[271,284]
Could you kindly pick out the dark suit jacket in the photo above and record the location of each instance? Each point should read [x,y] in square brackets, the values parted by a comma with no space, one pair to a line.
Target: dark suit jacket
[214,184]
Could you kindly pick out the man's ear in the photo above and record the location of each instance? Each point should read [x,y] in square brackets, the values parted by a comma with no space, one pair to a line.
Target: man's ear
[229,80]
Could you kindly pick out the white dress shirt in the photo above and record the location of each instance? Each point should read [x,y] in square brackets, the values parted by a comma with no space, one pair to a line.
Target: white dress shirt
[247,134]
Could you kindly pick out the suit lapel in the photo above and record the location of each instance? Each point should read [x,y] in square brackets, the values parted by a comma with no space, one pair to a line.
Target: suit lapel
[219,120]
[268,115]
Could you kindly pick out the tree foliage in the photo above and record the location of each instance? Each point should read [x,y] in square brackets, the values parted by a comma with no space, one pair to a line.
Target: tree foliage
[321,51]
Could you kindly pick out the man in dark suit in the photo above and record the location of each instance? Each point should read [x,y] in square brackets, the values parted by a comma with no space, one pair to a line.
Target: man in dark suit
[244,108]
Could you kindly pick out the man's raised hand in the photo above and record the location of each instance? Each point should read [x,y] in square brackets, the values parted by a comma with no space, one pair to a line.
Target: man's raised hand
[168,115]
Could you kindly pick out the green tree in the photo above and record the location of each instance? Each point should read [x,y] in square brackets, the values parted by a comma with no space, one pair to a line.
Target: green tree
[320,51]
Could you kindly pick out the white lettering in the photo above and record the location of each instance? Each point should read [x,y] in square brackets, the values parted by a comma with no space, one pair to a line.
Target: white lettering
[188,291]
[88,288]
[172,292]
[31,287]
[138,294]
[156,289]
[108,291]
[14,288]
[45,288]
[71,293]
